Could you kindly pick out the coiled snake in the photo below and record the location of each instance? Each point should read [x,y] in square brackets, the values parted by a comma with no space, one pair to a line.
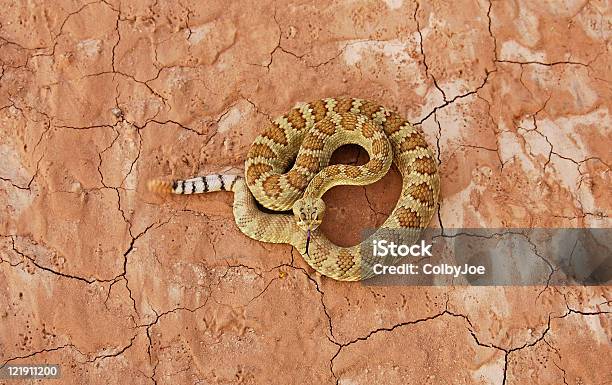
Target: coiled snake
[303,141]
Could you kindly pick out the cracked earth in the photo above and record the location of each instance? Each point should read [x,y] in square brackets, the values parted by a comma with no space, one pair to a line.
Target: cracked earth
[120,286]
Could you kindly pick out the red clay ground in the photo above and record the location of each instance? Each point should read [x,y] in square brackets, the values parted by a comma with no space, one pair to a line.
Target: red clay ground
[120,286]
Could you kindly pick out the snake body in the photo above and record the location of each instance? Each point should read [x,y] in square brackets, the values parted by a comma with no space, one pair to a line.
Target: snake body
[307,136]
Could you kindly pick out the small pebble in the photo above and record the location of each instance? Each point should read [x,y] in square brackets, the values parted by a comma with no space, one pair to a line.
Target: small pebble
[117,112]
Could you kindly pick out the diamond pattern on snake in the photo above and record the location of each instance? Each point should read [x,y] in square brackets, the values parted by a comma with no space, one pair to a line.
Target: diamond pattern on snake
[305,138]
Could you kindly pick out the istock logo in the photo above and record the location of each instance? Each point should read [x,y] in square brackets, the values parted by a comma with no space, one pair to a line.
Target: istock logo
[383,248]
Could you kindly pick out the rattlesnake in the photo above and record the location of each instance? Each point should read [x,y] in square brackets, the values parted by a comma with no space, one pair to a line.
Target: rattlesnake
[307,136]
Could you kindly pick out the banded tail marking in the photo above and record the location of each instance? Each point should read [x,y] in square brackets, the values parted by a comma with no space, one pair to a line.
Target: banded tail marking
[199,185]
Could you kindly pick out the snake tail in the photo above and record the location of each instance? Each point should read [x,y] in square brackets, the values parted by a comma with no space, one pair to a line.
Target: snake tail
[197,185]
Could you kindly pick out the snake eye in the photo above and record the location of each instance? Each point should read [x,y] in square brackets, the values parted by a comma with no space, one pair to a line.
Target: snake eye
[313,216]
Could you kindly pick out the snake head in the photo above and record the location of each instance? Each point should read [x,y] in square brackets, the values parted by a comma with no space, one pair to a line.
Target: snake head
[308,213]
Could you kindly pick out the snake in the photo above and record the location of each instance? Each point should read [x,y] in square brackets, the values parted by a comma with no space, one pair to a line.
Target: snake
[288,170]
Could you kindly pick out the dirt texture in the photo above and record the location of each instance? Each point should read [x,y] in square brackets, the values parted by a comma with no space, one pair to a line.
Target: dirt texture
[118,285]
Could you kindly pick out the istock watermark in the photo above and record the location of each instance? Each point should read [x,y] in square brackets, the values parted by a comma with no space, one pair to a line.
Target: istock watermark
[386,248]
[487,257]
[383,248]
